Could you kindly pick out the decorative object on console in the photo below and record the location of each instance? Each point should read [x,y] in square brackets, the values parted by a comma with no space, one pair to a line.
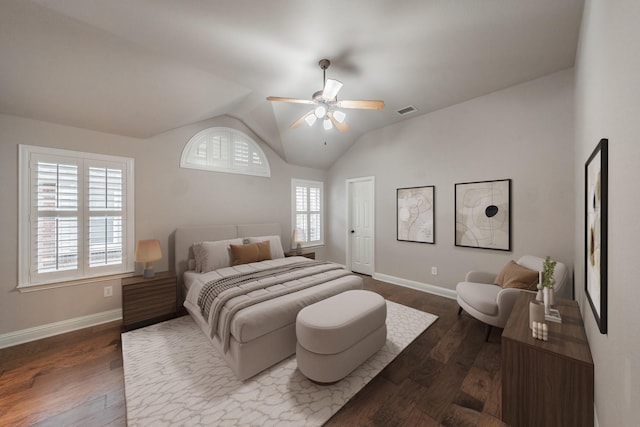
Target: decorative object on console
[148,251]
[596,207]
[553,316]
[483,214]
[415,214]
[536,312]
[298,238]
[540,331]
[546,281]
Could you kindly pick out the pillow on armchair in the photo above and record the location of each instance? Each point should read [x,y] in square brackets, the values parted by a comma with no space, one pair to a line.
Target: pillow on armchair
[513,275]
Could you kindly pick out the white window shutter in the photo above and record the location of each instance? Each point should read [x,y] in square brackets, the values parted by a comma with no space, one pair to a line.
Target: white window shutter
[307,213]
[79,221]
[226,150]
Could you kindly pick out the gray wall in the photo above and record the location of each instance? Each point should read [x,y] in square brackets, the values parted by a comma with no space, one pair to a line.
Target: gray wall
[166,197]
[524,133]
[608,106]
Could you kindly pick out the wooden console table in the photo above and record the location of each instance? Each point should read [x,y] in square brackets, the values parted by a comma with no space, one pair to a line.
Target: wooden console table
[546,383]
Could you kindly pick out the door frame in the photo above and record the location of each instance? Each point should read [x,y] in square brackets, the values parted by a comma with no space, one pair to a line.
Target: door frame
[372,180]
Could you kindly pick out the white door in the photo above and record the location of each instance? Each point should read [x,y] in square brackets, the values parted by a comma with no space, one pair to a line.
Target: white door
[360,225]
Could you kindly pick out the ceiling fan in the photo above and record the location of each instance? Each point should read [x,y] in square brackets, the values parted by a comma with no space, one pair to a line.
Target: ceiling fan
[327,104]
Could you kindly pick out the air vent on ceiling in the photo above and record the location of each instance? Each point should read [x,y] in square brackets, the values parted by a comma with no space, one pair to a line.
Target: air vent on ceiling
[407,110]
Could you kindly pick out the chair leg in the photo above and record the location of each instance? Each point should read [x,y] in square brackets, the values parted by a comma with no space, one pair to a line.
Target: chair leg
[459,311]
[486,337]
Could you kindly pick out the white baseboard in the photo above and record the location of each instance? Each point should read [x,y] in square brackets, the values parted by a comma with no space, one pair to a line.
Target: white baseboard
[51,329]
[425,287]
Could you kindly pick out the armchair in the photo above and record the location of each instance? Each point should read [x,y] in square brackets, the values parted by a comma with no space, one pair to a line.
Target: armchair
[492,304]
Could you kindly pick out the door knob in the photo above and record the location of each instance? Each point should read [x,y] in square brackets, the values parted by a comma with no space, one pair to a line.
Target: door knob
[353,231]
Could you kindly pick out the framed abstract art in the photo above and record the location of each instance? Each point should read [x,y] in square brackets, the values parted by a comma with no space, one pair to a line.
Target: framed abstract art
[415,219]
[483,214]
[596,210]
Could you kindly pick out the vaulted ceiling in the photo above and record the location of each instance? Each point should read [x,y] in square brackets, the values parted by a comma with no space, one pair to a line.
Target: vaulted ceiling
[139,68]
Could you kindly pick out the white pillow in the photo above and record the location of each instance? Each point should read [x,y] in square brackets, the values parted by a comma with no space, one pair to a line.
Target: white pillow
[274,244]
[213,255]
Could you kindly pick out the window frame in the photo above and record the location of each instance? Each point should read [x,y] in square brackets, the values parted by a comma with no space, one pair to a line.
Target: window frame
[188,161]
[295,183]
[29,280]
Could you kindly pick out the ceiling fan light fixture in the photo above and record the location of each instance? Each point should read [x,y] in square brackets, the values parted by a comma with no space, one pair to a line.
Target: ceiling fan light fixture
[311,119]
[331,89]
[320,111]
[325,103]
[339,116]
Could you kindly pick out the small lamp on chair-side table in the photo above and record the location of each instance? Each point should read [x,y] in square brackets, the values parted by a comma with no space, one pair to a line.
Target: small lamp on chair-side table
[148,251]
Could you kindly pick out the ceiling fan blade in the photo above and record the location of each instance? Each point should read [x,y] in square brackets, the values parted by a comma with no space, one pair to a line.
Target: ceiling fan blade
[293,100]
[342,127]
[331,89]
[301,120]
[363,105]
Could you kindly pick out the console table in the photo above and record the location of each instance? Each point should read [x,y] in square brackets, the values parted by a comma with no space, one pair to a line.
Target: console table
[546,383]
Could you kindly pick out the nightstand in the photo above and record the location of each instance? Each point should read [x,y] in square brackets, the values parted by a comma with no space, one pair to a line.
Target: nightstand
[148,301]
[307,254]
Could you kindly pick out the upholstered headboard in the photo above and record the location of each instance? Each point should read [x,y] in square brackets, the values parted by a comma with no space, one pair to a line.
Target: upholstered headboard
[187,236]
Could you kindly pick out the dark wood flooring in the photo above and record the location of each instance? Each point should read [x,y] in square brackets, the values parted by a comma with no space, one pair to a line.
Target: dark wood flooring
[449,376]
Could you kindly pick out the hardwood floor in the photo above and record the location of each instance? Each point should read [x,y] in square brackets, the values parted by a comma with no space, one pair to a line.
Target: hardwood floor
[448,376]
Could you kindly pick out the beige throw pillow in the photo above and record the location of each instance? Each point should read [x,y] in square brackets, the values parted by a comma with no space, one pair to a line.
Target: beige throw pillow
[513,275]
[253,252]
[211,256]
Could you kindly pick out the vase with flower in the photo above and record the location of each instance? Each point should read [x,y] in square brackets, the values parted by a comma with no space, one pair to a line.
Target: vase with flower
[546,283]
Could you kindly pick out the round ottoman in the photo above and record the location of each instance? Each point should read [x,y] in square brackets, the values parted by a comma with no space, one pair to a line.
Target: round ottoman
[336,335]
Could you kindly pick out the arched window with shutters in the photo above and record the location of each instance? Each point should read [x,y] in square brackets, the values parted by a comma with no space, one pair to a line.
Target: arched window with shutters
[222,149]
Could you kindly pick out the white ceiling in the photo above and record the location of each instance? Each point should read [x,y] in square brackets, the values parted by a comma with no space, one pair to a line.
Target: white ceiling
[142,67]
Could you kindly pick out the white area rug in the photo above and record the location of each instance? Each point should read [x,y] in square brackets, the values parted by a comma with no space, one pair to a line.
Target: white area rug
[173,376]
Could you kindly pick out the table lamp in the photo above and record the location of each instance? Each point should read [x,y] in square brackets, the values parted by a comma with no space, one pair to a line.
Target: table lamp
[298,239]
[148,251]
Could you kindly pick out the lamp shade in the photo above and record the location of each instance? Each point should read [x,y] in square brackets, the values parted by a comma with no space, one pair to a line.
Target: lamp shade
[148,251]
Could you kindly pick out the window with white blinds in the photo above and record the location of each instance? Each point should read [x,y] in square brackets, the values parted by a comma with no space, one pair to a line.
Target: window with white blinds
[76,215]
[307,210]
[227,150]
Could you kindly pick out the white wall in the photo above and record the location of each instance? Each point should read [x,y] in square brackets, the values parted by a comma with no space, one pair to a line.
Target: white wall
[166,197]
[524,133]
[608,106]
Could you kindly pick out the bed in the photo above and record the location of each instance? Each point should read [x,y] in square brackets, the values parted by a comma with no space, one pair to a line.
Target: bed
[251,335]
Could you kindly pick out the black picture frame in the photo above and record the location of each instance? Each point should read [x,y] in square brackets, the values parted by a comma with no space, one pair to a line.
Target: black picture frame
[596,194]
[415,218]
[483,214]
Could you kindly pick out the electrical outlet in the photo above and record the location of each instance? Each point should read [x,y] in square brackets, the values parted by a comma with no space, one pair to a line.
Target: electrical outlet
[108,291]
[434,271]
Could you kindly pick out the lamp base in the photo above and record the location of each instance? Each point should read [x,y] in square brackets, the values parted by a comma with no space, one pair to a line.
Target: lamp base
[149,273]
[298,248]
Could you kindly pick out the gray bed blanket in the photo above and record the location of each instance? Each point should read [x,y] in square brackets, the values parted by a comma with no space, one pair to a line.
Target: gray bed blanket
[243,290]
